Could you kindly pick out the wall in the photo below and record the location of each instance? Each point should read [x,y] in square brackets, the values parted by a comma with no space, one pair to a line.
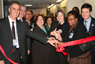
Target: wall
[62,5]
[92,2]
[35,11]
[1,9]
[72,3]
[53,10]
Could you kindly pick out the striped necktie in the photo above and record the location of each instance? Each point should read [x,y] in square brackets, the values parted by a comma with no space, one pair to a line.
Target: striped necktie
[13,34]
[13,30]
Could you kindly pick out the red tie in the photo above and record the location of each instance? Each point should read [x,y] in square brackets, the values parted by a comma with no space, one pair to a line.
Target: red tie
[13,30]
[19,19]
[13,34]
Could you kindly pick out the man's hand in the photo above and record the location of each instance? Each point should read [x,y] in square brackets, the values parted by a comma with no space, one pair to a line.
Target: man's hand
[28,52]
[2,62]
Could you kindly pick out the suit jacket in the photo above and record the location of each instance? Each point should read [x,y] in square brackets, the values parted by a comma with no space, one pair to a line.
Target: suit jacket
[79,33]
[6,38]
[92,25]
[28,40]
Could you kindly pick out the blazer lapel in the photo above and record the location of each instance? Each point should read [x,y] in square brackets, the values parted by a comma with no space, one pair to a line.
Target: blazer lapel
[18,29]
[8,27]
[91,25]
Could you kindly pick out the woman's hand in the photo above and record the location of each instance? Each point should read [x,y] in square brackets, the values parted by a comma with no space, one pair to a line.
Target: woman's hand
[53,32]
[51,38]
[58,36]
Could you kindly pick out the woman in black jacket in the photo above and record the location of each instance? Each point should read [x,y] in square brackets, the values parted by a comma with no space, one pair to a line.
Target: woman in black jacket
[75,31]
[57,27]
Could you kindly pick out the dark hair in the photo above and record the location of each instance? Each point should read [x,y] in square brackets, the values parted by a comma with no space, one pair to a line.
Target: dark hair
[76,14]
[61,12]
[76,9]
[13,3]
[48,17]
[22,5]
[86,5]
[31,11]
[28,10]
[38,16]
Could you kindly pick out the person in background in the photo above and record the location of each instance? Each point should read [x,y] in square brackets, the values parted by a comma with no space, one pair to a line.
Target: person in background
[32,20]
[48,22]
[20,18]
[75,31]
[77,10]
[28,16]
[40,51]
[54,19]
[89,23]
[57,27]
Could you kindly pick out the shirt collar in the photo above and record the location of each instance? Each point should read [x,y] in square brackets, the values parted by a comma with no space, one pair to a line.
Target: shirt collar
[10,20]
[88,19]
[19,18]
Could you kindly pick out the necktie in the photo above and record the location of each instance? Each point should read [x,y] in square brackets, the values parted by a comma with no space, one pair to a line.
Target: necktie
[13,30]
[13,34]
[86,24]
[19,19]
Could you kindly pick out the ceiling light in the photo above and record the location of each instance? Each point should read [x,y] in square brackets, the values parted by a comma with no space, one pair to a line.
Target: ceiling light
[58,0]
[50,5]
[28,4]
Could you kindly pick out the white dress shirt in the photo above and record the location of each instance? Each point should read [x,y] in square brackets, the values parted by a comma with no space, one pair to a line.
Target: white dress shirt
[16,34]
[20,18]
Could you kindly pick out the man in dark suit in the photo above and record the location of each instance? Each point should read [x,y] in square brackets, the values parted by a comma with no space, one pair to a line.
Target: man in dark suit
[89,23]
[13,34]
[28,40]
[20,18]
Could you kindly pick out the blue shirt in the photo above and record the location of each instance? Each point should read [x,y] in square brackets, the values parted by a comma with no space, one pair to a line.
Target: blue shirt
[87,23]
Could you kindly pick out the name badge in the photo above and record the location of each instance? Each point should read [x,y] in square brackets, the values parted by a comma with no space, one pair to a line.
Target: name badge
[71,35]
[14,42]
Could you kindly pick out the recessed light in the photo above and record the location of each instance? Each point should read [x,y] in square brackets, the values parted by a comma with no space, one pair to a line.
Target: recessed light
[50,5]
[28,4]
[58,0]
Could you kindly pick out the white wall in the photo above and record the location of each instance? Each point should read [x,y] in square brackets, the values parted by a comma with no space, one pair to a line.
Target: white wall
[72,3]
[1,9]
[35,11]
[92,2]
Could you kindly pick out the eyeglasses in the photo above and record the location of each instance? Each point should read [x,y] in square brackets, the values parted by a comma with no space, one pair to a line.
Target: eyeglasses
[70,19]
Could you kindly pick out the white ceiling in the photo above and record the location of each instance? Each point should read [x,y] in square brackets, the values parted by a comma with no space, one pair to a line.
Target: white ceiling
[37,4]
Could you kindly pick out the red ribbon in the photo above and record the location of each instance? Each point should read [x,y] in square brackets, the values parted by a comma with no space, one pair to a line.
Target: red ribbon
[6,56]
[60,48]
